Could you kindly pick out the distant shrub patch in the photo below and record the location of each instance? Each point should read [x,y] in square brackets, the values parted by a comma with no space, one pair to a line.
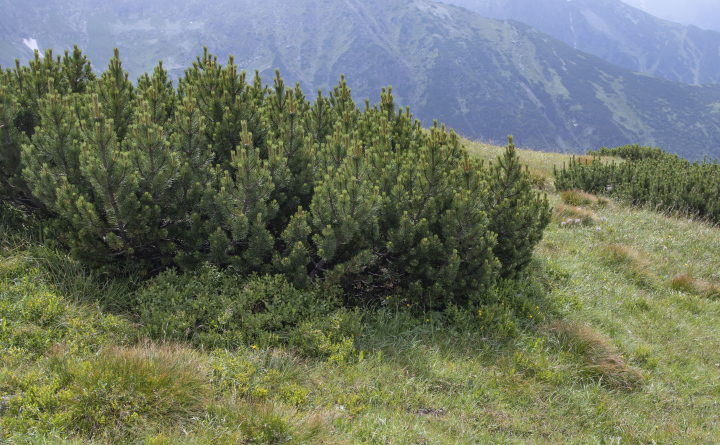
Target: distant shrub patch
[648,176]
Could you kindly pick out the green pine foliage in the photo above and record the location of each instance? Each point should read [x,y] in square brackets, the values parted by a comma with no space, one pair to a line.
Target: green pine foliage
[261,180]
[648,176]
[219,309]
[11,138]
[22,92]
[518,214]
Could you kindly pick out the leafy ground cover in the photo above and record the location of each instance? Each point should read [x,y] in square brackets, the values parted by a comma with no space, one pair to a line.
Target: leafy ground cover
[620,347]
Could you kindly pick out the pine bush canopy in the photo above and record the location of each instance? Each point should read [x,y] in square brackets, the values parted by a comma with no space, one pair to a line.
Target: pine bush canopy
[259,179]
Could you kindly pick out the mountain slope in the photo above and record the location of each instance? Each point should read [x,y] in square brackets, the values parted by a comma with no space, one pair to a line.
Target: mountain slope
[618,33]
[483,77]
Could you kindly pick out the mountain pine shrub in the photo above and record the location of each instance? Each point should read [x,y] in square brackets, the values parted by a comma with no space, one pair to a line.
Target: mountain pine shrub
[261,180]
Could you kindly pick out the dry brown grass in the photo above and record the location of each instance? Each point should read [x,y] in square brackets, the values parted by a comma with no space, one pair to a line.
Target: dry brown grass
[581,198]
[622,255]
[628,261]
[564,212]
[578,198]
[540,161]
[598,360]
[254,421]
[686,283]
[586,160]
[122,387]
[541,181]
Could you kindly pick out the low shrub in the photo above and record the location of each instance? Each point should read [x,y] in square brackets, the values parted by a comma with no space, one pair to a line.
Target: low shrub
[35,318]
[314,342]
[250,374]
[633,152]
[510,305]
[43,308]
[216,308]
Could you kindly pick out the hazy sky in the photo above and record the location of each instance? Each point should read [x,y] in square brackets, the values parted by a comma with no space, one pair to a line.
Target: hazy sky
[702,13]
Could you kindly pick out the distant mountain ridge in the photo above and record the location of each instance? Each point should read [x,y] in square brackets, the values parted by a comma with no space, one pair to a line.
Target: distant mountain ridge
[704,14]
[485,78]
[618,33]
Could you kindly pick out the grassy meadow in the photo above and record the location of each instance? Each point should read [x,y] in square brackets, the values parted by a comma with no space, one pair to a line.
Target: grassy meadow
[621,348]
